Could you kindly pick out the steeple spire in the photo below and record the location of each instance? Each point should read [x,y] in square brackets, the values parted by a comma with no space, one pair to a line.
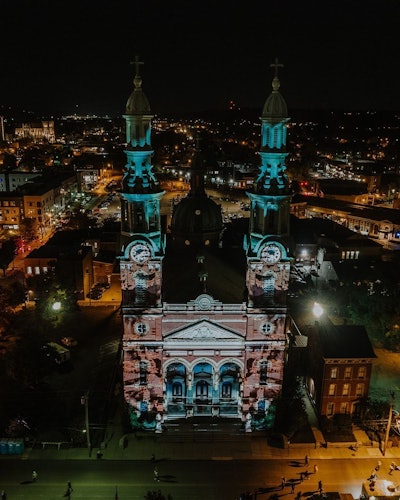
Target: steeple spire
[275,82]
[137,81]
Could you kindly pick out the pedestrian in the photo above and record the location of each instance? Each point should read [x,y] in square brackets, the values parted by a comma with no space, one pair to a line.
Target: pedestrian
[283,483]
[3,495]
[156,476]
[301,476]
[34,476]
[292,486]
[315,469]
[320,487]
[153,457]
[298,495]
[378,465]
[306,460]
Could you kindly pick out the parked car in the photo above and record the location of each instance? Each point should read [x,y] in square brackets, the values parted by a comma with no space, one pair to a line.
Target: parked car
[69,341]
[105,285]
[95,294]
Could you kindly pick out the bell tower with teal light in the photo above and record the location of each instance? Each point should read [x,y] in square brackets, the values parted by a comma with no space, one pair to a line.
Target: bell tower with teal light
[142,243]
[266,245]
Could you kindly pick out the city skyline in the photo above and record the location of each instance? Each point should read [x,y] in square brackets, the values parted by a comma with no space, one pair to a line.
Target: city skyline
[76,59]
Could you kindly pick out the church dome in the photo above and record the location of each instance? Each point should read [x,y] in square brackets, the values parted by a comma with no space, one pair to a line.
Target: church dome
[275,108]
[197,219]
[137,103]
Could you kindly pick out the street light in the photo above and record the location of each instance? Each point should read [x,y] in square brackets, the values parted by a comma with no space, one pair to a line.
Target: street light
[85,401]
[56,306]
[317,310]
[389,423]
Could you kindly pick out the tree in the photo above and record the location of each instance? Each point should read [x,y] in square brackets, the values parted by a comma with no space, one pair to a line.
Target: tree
[7,254]
[28,228]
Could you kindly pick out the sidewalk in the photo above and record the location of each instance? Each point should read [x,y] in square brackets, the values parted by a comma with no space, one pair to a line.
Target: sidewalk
[199,439]
[189,443]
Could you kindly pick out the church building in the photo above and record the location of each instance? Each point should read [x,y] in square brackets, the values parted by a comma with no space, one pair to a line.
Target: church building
[205,322]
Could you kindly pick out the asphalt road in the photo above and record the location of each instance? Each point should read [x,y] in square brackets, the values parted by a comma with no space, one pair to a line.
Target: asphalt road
[182,480]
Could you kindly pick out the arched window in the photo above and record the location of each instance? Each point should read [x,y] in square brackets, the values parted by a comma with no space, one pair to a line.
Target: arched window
[177,390]
[140,288]
[269,285]
[226,390]
[202,389]
[143,373]
[263,372]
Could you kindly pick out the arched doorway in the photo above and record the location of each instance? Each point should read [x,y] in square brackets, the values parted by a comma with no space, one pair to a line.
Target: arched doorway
[229,390]
[202,389]
[175,390]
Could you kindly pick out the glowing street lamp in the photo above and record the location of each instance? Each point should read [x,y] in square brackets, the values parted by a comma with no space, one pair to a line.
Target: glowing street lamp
[317,310]
[56,306]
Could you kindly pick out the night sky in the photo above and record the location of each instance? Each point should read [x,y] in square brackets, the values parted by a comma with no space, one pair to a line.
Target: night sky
[59,56]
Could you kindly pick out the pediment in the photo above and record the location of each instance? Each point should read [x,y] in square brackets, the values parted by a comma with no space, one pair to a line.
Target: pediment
[203,331]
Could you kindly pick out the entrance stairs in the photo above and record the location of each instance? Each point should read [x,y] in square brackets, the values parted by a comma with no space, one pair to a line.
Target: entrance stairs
[203,429]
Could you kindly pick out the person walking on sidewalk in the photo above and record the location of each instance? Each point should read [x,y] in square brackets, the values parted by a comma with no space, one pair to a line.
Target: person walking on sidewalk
[3,495]
[156,476]
[292,485]
[306,460]
[69,490]
[283,482]
[34,476]
[315,468]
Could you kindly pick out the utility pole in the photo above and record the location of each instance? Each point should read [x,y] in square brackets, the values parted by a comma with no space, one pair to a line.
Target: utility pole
[389,423]
[85,401]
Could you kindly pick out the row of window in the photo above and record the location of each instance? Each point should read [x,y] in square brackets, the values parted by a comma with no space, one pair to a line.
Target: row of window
[348,372]
[344,408]
[36,270]
[10,203]
[346,390]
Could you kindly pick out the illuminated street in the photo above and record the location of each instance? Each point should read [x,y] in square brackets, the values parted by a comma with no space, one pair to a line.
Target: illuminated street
[219,479]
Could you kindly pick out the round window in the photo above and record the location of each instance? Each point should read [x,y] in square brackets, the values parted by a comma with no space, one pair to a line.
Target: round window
[267,328]
[141,328]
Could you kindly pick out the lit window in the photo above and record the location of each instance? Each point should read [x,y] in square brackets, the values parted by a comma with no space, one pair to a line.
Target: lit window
[360,390]
[330,409]
[346,390]
[348,372]
[332,390]
[334,372]
[362,372]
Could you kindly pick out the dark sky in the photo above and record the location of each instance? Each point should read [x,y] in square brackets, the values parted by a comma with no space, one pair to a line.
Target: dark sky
[66,56]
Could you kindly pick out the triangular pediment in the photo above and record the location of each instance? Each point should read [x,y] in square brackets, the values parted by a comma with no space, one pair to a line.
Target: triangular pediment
[203,331]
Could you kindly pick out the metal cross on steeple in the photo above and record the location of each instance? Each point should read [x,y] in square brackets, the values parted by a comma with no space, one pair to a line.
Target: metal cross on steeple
[276,65]
[137,63]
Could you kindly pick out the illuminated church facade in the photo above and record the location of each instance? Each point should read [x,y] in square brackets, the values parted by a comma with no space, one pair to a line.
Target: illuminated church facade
[205,323]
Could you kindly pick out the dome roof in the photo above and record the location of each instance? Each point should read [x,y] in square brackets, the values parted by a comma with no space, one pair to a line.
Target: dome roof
[197,218]
[275,108]
[137,103]
[197,215]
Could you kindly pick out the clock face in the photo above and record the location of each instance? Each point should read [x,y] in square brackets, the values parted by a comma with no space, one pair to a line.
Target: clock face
[140,253]
[270,254]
